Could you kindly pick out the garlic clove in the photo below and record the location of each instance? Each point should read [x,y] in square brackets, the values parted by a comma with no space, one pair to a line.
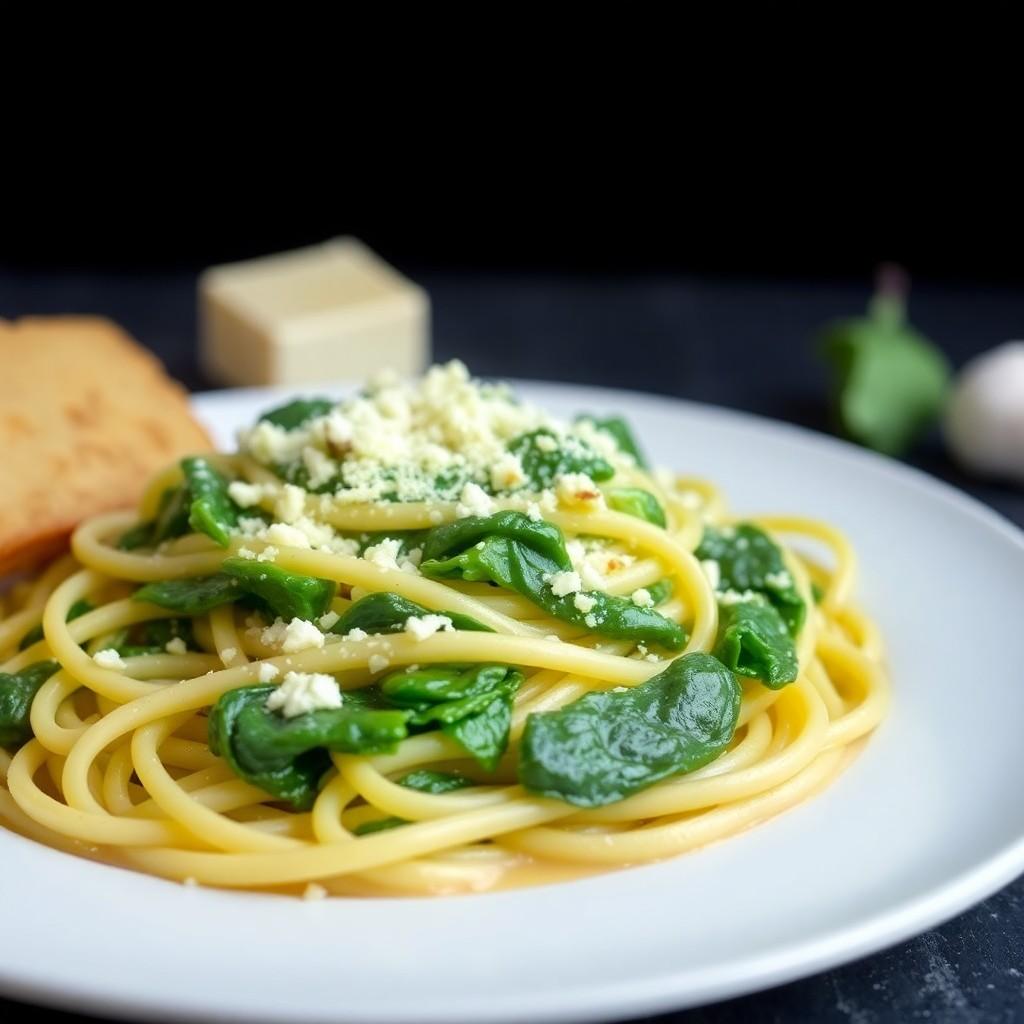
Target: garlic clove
[985,418]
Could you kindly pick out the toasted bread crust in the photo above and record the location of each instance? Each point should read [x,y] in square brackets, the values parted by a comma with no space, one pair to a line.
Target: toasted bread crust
[86,417]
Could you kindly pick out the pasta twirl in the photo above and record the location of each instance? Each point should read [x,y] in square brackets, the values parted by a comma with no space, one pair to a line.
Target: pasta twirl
[428,640]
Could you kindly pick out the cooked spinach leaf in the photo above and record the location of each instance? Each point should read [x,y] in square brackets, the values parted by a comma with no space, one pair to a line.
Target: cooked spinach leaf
[472,704]
[544,462]
[288,594]
[377,825]
[298,412]
[620,430]
[634,501]
[17,691]
[287,757]
[285,594]
[426,780]
[748,559]
[171,521]
[191,596]
[211,510]
[753,641]
[387,613]
[610,744]
[519,554]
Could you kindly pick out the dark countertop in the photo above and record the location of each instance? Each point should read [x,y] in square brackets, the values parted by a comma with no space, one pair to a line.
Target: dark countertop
[742,344]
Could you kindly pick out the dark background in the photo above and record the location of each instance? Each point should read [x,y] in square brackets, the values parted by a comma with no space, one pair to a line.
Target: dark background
[713,297]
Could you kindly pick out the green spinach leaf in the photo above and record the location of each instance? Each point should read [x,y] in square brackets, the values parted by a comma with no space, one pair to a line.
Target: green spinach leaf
[171,521]
[288,594]
[748,559]
[287,757]
[634,501]
[516,553]
[608,745]
[211,510]
[543,537]
[622,434]
[285,594]
[387,613]
[17,691]
[426,780]
[889,381]
[377,825]
[753,641]
[542,467]
[191,596]
[472,704]
[298,412]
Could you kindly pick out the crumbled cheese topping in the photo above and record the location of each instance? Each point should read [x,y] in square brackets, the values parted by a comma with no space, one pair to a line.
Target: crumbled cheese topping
[595,561]
[563,583]
[267,673]
[320,467]
[474,501]
[286,536]
[377,663]
[419,441]
[176,646]
[290,504]
[303,532]
[356,634]
[584,602]
[302,692]
[730,597]
[533,512]
[602,442]
[780,580]
[387,555]
[422,626]
[246,495]
[641,597]
[578,489]
[292,637]
[228,654]
[507,473]
[109,658]
[327,620]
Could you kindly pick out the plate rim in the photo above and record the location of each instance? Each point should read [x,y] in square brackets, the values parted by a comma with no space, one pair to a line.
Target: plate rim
[598,1001]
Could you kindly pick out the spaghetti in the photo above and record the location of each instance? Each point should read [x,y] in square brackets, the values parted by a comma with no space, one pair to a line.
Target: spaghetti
[493,680]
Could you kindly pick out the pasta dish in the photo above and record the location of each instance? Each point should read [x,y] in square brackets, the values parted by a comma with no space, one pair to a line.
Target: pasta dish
[426,640]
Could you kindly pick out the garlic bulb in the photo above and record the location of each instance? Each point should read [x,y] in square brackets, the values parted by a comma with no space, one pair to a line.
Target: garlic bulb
[985,420]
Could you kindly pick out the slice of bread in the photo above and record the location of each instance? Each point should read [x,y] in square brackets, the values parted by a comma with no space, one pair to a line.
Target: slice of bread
[86,417]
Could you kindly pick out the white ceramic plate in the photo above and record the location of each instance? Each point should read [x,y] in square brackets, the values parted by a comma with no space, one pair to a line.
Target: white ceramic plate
[927,821]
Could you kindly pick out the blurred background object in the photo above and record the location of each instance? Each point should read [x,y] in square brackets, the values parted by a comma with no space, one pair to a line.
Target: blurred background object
[333,311]
[985,424]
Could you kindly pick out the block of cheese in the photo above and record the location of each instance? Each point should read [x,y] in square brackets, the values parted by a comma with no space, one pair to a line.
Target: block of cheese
[327,312]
